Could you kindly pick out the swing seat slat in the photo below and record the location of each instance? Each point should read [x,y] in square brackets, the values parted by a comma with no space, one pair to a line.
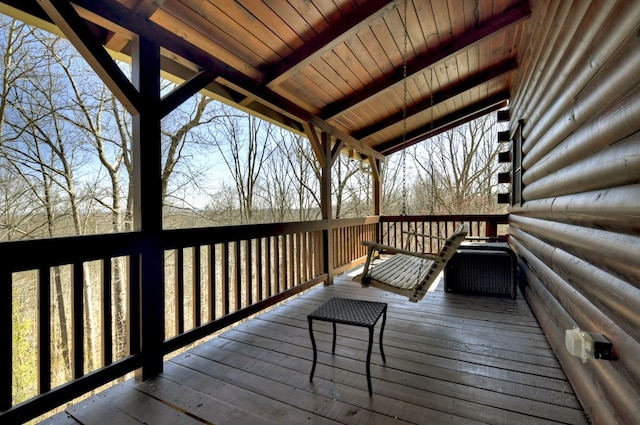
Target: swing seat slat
[407,272]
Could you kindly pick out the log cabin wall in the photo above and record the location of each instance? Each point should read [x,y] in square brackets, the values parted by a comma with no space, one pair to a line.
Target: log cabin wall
[576,105]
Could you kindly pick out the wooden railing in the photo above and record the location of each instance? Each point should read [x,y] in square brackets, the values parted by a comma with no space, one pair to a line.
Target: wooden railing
[213,278]
[401,231]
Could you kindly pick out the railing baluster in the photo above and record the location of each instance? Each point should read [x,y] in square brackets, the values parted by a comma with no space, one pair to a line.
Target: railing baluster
[44,330]
[292,265]
[238,275]
[211,282]
[179,290]
[259,268]
[248,271]
[224,288]
[268,261]
[77,299]
[276,260]
[107,314]
[197,285]
[298,258]
[133,310]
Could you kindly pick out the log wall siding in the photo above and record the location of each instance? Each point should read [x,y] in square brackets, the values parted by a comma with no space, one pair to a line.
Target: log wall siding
[577,232]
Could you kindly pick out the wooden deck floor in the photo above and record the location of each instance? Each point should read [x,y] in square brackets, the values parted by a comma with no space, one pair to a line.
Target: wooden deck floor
[454,359]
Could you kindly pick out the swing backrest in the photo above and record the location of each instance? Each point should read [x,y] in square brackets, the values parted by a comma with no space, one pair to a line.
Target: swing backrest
[452,243]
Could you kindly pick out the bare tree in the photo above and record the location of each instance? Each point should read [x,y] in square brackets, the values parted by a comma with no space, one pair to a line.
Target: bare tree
[458,168]
[242,140]
[290,184]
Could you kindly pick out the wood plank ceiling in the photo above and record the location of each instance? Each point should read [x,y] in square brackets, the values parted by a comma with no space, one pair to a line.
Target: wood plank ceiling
[347,67]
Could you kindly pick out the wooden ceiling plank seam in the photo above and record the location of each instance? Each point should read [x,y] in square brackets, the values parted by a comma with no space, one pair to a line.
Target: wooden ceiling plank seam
[473,58]
[443,24]
[198,25]
[184,91]
[263,13]
[327,87]
[310,14]
[375,51]
[439,97]
[415,35]
[471,11]
[449,122]
[182,31]
[336,34]
[351,62]
[305,91]
[488,29]
[330,11]
[456,18]
[250,31]
[292,18]
[428,24]
[365,58]
[63,14]
[348,81]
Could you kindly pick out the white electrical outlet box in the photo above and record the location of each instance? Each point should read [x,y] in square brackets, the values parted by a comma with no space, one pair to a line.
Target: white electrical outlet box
[578,343]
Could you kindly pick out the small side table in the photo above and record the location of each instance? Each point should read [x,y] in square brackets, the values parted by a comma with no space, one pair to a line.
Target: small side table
[349,312]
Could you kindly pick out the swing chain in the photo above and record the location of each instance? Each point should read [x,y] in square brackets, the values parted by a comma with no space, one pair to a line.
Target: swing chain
[404,110]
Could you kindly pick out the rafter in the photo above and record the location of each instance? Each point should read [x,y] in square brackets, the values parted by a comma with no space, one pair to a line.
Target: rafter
[501,23]
[334,35]
[445,123]
[120,15]
[76,30]
[146,8]
[442,96]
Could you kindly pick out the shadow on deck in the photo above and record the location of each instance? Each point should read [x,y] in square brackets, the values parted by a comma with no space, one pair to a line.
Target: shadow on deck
[450,359]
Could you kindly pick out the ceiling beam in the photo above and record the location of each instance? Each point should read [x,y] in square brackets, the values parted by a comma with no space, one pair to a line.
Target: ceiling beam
[332,36]
[445,123]
[500,23]
[486,76]
[146,8]
[124,17]
[76,30]
[347,139]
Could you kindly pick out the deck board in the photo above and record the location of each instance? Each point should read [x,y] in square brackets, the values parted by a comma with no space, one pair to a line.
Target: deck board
[455,359]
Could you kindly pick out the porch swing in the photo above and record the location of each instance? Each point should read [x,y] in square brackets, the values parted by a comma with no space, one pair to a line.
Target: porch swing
[406,272]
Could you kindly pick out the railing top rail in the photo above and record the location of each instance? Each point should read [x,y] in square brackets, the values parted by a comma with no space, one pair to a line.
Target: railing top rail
[499,218]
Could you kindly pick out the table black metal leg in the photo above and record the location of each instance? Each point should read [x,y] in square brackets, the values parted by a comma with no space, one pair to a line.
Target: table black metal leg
[369,360]
[313,344]
[384,320]
[333,346]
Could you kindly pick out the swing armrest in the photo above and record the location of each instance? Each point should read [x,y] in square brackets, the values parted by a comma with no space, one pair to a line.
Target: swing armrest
[425,235]
[377,246]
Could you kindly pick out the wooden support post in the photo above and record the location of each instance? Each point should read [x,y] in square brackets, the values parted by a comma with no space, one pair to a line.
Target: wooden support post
[377,185]
[327,208]
[147,184]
